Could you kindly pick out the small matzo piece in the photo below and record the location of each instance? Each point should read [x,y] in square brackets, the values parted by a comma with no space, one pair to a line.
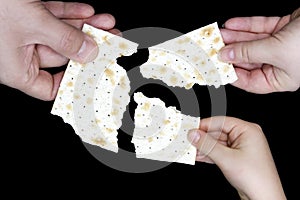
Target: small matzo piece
[160,132]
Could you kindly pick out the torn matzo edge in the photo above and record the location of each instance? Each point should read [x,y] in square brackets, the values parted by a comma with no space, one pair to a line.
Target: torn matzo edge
[190,59]
[93,97]
[160,132]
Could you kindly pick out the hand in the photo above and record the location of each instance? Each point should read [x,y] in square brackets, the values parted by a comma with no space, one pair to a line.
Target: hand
[241,151]
[37,35]
[265,52]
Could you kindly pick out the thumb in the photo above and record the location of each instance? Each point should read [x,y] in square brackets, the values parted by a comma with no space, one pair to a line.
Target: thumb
[67,40]
[256,51]
[208,146]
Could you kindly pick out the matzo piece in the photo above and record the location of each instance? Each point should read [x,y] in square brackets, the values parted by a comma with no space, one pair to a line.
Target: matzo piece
[93,97]
[190,59]
[160,132]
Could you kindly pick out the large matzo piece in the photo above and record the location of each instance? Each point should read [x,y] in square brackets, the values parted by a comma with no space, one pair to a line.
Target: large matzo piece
[92,97]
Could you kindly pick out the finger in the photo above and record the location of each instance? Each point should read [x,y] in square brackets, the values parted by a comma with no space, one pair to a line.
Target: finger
[208,146]
[230,36]
[295,14]
[219,123]
[116,32]
[45,86]
[260,81]
[282,22]
[257,51]
[212,124]
[101,21]
[49,57]
[69,9]
[252,24]
[66,40]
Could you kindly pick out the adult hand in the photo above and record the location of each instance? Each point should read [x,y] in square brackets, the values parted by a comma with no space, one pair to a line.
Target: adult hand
[241,151]
[265,52]
[37,35]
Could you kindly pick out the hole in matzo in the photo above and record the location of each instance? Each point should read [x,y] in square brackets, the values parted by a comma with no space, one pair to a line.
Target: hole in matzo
[134,60]
[126,130]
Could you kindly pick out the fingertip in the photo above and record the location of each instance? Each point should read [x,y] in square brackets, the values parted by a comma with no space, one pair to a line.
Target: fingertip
[226,24]
[69,10]
[111,18]
[91,10]
[84,9]
[116,32]
[235,23]
[103,21]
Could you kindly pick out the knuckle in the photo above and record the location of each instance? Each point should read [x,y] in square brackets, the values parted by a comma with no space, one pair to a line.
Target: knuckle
[245,55]
[256,126]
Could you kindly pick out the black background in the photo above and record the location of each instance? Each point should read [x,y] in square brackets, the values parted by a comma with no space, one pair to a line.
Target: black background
[40,153]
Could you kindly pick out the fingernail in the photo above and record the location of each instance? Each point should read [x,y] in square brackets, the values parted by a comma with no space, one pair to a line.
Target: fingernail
[193,136]
[226,54]
[88,51]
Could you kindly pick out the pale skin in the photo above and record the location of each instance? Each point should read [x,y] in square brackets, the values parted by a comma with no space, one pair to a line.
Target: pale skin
[264,51]
[265,54]
[240,149]
[36,35]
